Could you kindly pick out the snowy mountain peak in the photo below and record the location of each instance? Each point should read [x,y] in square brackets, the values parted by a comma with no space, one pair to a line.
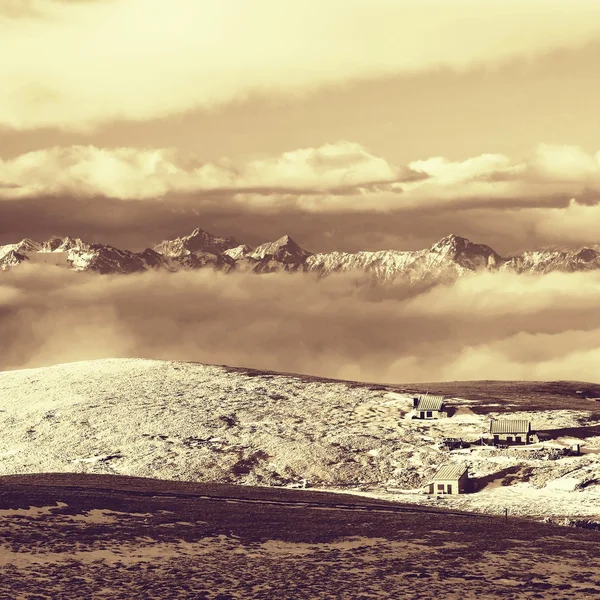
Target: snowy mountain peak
[197,241]
[65,244]
[467,254]
[452,239]
[238,252]
[283,247]
[451,257]
[28,245]
[22,247]
[452,242]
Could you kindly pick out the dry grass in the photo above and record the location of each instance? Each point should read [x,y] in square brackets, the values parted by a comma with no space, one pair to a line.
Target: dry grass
[121,538]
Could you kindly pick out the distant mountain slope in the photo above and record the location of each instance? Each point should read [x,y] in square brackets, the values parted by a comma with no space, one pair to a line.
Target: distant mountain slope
[451,257]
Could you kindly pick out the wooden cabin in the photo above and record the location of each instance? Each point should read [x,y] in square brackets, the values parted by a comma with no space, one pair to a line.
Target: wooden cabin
[450,479]
[428,406]
[510,431]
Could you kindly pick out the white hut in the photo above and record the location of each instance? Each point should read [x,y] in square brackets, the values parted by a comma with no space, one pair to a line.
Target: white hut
[428,406]
[510,431]
[450,479]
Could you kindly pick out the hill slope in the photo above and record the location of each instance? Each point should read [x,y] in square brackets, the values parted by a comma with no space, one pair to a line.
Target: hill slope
[196,422]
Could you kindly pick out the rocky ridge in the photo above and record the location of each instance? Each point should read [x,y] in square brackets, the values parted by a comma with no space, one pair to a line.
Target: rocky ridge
[451,257]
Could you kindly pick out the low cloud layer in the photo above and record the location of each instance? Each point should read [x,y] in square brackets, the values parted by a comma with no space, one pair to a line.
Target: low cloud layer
[145,59]
[483,327]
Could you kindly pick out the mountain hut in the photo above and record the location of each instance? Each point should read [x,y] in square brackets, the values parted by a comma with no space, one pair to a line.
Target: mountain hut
[428,406]
[449,479]
[511,431]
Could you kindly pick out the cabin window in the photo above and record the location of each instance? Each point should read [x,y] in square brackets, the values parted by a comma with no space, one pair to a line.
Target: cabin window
[509,438]
[518,438]
[449,489]
[441,487]
[429,413]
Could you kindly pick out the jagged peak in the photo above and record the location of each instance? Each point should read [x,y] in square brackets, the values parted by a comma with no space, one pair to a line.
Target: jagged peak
[198,232]
[205,235]
[285,240]
[198,240]
[285,243]
[459,244]
[27,245]
[238,252]
[452,240]
[64,244]
[28,241]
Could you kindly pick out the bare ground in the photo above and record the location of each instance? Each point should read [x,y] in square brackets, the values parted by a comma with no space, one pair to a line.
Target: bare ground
[99,536]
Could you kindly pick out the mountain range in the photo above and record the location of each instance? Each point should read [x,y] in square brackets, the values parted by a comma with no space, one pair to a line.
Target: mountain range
[451,257]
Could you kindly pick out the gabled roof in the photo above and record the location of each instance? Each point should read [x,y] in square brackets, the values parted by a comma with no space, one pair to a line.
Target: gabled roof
[450,471]
[510,426]
[428,402]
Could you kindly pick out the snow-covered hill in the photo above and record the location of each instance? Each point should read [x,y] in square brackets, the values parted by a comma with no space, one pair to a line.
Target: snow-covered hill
[189,421]
[447,259]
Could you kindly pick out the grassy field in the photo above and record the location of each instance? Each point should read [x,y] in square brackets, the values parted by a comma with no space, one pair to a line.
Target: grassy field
[101,536]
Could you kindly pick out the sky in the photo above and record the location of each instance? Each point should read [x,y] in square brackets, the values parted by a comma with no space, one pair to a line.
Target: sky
[348,124]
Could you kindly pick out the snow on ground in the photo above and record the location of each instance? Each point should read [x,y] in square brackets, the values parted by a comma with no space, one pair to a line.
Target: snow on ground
[205,423]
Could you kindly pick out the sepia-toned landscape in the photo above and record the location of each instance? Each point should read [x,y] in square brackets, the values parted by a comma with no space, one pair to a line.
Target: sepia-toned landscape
[299,299]
[145,538]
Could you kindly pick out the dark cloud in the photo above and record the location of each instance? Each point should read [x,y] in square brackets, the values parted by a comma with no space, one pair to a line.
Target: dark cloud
[138,224]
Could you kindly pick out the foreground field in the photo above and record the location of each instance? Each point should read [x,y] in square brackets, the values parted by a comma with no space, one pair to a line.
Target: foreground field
[89,536]
[193,422]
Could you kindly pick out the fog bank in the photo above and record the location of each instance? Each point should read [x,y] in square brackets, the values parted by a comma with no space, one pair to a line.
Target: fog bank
[489,326]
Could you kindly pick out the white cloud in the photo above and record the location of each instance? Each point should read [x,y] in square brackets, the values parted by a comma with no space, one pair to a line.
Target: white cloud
[339,177]
[76,65]
[131,173]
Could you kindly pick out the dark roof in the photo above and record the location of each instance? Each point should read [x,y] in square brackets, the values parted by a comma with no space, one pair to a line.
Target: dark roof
[427,402]
[450,471]
[510,426]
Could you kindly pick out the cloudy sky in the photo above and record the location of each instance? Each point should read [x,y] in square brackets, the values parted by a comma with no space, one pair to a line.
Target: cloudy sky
[349,124]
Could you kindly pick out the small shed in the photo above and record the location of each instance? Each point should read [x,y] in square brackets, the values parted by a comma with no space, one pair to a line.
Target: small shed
[429,407]
[450,479]
[510,431]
